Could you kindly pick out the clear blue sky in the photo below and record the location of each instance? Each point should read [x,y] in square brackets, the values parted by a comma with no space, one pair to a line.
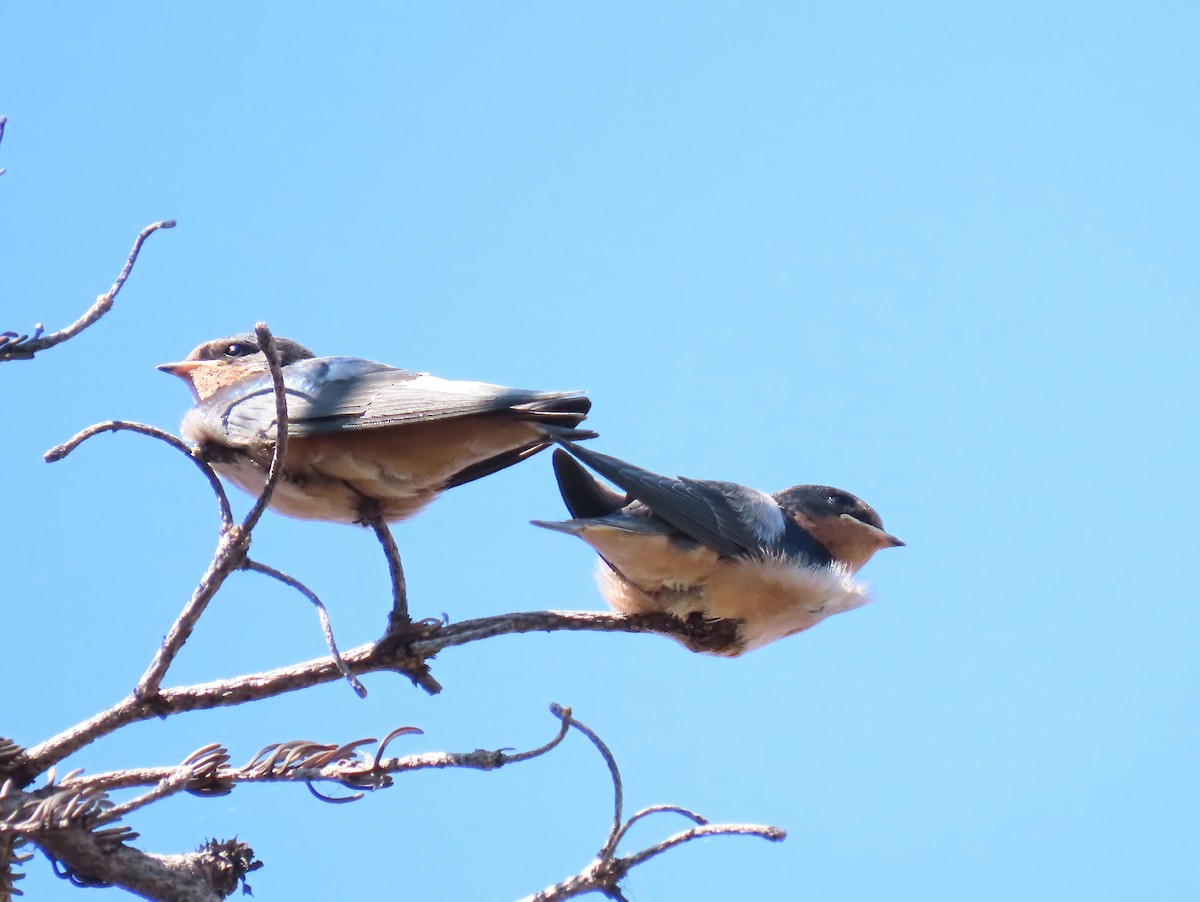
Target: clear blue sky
[942,255]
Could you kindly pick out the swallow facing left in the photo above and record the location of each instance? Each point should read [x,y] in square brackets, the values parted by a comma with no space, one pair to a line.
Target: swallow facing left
[778,564]
[366,442]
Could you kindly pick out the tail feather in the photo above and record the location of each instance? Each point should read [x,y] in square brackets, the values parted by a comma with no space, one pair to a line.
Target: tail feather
[568,409]
[582,493]
[553,433]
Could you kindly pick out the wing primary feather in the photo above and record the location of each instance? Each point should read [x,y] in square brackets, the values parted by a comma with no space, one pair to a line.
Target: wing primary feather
[703,511]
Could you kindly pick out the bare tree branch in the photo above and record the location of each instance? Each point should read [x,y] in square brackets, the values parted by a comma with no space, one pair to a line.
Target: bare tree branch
[14,346]
[369,658]
[603,874]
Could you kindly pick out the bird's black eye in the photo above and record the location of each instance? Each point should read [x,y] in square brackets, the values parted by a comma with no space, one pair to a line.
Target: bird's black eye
[238,349]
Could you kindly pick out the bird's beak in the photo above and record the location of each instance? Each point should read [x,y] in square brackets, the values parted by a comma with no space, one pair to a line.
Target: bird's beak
[180,369]
[886,540]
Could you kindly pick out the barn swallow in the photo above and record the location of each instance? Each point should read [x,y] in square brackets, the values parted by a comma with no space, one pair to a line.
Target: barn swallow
[366,442]
[777,564]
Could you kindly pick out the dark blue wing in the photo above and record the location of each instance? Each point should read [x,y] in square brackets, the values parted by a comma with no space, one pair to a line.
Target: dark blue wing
[731,519]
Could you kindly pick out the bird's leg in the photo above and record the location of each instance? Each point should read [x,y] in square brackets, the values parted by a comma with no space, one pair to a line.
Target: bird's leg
[398,619]
[400,629]
[370,514]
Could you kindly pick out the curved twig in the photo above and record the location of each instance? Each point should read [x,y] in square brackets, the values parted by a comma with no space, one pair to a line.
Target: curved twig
[58,452]
[614,834]
[322,614]
[658,809]
[23,348]
[773,834]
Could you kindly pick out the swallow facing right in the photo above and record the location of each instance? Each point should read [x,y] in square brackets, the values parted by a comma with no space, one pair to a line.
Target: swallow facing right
[777,564]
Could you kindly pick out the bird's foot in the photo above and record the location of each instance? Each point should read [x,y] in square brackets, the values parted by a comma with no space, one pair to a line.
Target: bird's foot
[408,630]
[397,644]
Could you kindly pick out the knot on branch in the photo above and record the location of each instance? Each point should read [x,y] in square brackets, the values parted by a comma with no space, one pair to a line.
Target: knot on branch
[234,544]
[224,863]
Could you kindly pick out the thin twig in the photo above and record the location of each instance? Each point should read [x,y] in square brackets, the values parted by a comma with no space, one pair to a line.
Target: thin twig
[610,845]
[169,785]
[58,452]
[773,834]
[658,809]
[266,344]
[322,614]
[24,349]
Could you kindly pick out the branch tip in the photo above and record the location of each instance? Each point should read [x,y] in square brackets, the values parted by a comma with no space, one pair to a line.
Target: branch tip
[25,347]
